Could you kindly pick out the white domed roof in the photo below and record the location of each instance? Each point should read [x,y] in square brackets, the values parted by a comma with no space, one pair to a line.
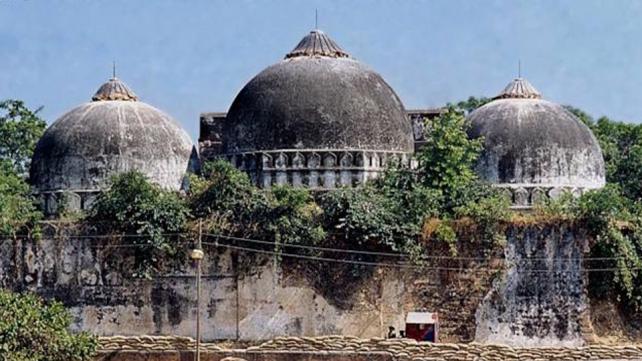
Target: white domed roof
[112,134]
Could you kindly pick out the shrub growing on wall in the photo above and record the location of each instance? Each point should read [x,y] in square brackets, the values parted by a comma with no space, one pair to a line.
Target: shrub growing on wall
[33,330]
[145,216]
[232,206]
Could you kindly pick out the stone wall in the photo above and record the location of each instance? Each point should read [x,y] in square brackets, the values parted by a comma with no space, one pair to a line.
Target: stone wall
[246,297]
[541,296]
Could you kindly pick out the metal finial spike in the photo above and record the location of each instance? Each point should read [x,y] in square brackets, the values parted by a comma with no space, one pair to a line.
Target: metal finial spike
[316,19]
[519,68]
[113,69]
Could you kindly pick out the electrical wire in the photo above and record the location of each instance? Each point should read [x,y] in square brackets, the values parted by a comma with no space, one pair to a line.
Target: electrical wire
[317,248]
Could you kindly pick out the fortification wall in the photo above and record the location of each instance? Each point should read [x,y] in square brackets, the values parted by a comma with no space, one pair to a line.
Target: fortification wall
[246,297]
[540,298]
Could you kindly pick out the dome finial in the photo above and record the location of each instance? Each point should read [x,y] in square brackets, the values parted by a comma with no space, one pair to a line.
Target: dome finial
[114,89]
[316,19]
[113,70]
[519,88]
[519,68]
[317,43]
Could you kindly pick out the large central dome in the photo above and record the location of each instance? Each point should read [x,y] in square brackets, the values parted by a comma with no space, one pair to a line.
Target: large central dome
[318,97]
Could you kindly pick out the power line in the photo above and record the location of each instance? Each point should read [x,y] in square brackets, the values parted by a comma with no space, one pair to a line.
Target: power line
[410,266]
[313,248]
[387,254]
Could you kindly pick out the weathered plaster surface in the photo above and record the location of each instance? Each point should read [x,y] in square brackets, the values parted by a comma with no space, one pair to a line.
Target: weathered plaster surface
[84,148]
[540,298]
[268,300]
[536,142]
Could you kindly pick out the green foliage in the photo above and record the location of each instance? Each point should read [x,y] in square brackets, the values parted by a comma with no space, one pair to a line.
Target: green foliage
[32,330]
[362,216]
[410,199]
[134,206]
[20,130]
[17,208]
[472,103]
[606,213]
[622,148]
[225,190]
[447,158]
[489,210]
[235,207]
[621,145]
[392,210]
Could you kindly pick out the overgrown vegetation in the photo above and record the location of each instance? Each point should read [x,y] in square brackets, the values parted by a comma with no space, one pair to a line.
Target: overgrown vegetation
[20,129]
[144,216]
[232,206]
[34,330]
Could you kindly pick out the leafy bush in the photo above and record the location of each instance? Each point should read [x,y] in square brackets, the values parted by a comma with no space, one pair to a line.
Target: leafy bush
[145,215]
[32,330]
[233,206]
[608,216]
[293,217]
[17,206]
[472,103]
[362,217]
[224,189]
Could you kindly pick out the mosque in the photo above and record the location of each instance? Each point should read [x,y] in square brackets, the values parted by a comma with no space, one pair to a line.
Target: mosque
[318,119]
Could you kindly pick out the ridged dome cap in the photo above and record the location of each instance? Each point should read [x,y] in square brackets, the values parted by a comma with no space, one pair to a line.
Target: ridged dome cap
[519,88]
[317,43]
[531,141]
[317,98]
[112,134]
[114,89]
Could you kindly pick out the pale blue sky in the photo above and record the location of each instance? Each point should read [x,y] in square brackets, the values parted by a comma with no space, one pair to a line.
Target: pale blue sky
[187,57]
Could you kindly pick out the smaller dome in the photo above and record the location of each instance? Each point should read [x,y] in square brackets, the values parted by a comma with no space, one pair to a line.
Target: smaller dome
[112,134]
[531,143]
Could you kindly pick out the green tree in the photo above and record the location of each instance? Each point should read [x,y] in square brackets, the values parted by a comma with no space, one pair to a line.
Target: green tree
[17,206]
[447,158]
[34,330]
[146,216]
[622,149]
[20,130]
[472,103]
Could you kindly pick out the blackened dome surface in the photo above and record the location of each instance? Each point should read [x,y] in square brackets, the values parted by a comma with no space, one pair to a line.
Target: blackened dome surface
[314,101]
[533,141]
[96,140]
